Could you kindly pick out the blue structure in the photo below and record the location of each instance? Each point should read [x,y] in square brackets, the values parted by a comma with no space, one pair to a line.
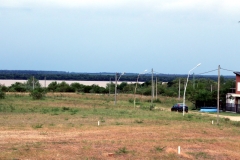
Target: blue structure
[208,109]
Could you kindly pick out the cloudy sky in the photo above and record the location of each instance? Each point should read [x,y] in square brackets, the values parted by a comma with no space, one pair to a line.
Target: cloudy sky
[170,36]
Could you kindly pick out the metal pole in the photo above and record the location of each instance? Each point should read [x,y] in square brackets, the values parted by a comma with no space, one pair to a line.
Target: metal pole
[152,89]
[186,87]
[115,89]
[156,87]
[179,89]
[218,94]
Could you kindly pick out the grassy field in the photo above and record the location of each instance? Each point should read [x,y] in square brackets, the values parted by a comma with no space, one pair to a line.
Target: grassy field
[65,126]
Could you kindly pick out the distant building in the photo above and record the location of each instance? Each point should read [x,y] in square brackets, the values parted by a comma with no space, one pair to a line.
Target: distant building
[233,99]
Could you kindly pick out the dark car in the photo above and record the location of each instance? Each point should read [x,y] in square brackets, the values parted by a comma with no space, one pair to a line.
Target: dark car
[179,108]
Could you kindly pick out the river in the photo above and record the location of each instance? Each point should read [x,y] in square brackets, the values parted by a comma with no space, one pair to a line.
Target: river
[44,83]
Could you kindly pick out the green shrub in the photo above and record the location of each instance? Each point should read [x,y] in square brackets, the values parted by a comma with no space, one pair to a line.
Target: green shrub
[38,93]
[157,101]
[2,94]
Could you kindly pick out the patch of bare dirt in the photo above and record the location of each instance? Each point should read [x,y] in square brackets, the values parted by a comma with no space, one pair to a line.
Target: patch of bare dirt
[119,142]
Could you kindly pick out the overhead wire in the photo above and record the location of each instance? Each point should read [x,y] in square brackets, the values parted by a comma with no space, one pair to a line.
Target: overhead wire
[228,70]
[207,72]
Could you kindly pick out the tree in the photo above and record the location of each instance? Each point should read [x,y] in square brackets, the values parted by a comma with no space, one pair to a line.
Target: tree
[64,87]
[77,87]
[32,83]
[17,87]
[52,86]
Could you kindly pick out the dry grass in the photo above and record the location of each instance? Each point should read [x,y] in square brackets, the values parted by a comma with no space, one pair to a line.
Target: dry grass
[124,132]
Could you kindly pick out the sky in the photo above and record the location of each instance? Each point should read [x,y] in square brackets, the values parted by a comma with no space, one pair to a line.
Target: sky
[168,36]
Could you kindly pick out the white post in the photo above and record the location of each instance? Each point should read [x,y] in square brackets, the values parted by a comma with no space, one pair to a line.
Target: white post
[218,94]
[186,87]
[45,82]
[179,150]
[115,89]
[179,89]
[152,89]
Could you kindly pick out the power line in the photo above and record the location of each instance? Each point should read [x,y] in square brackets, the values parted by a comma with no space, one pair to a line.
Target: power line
[207,72]
[227,70]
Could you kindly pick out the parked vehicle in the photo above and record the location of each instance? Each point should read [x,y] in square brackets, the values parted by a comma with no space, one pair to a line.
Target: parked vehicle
[179,107]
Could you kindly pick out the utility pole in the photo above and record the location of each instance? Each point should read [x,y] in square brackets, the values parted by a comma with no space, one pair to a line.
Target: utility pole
[193,81]
[179,89]
[156,87]
[110,86]
[218,94]
[115,89]
[33,82]
[152,89]
[45,82]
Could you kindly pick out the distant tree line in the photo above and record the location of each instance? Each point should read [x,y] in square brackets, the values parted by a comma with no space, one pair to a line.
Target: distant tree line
[201,92]
[104,76]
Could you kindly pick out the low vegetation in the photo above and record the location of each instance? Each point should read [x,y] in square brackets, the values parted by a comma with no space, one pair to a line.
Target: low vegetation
[90,126]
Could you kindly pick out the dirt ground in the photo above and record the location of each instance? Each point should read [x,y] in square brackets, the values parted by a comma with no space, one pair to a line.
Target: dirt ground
[120,142]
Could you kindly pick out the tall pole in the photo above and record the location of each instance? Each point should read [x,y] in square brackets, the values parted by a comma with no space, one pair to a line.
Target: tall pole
[116,80]
[33,82]
[218,94]
[156,87]
[134,102]
[193,81]
[115,89]
[45,82]
[179,89]
[186,87]
[110,86]
[152,89]
[135,92]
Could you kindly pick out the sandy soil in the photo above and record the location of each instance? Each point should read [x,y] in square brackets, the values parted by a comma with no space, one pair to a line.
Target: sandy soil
[118,142]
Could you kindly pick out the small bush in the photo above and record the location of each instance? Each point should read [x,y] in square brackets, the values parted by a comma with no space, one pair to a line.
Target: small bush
[137,101]
[131,100]
[227,119]
[37,126]
[159,149]
[65,109]
[138,121]
[73,111]
[157,101]
[151,107]
[2,94]
[38,93]
[102,119]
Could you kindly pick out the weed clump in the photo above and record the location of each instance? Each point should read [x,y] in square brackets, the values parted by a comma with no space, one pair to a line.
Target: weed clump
[122,151]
